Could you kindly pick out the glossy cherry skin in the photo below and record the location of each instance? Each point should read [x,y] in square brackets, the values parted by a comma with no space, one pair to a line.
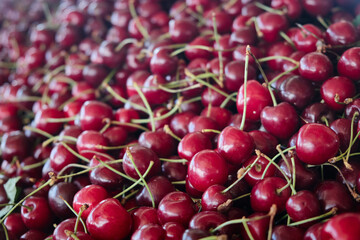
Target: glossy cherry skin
[282,232]
[305,39]
[109,220]
[176,207]
[142,216]
[316,67]
[342,87]
[60,157]
[142,157]
[68,224]
[317,8]
[162,63]
[152,93]
[213,199]
[316,112]
[67,192]
[254,175]
[198,123]
[281,120]
[341,227]
[342,127]
[174,171]
[160,142]
[220,115]
[182,30]
[193,53]
[341,33]
[234,75]
[314,232]
[348,64]
[90,195]
[149,232]
[266,193]
[257,98]
[14,144]
[234,145]
[39,216]
[42,124]
[179,123]
[271,24]
[15,226]
[106,178]
[303,205]
[278,49]
[334,194]
[93,113]
[292,8]
[33,234]
[207,168]
[258,228]
[316,143]
[173,230]
[159,187]
[90,140]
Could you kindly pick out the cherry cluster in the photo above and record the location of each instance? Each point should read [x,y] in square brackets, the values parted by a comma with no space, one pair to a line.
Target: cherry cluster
[179,119]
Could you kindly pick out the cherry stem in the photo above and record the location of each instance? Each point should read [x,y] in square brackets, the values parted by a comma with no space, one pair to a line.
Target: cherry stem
[71,235]
[8,65]
[56,138]
[266,59]
[227,99]
[180,50]
[237,221]
[221,62]
[162,87]
[181,160]
[247,230]
[60,120]
[242,172]
[5,231]
[38,131]
[123,100]
[348,150]
[210,130]
[220,237]
[72,99]
[75,213]
[124,43]
[106,126]
[107,79]
[241,196]
[134,15]
[130,125]
[283,74]
[82,209]
[141,177]
[171,133]
[288,40]
[22,200]
[87,169]
[243,117]
[113,147]
[325,215]
[322,22]
[147,105]
[34,165]
[137,182]
[74,152]
[268,9]
[272,214]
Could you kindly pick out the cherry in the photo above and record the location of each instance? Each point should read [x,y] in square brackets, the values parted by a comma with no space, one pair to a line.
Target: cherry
[303,205]
[339,227]
[267,192]
[336,90]
[257,98]
[134,30]
[243,36]
[306,38]
[143,216]
[60,157]
[33,234]
[149,231]
[153,95]
[236,119]
[239,54]
[123,115]
[173,230]
[211,97]
[316,67]
[265,142]
[137,76]
[94,74]
[67,35]
[179,123]
[160,142]
[348,63]
[278,49]
[316,143]
[214,199]
[270,25]
[207,220]
[234,145]
[15,225]
[258,228]
[234,74]
[282,232]
[41,122]
[281,121]
[159,187]
[292,8]
[182,30]
[334,194]
[162,62]
[254,175]
[91,195]
[314,232]
[318,113]
[193,53]
[220,115]
[105,177]
[198,123]
[109,220]
[342,127]
[116,135]
[317,8]
[193,234]
[56,196]
[111,57]
[142,157]
[206,168]
[36,213]
[14,145]
[176,207]
[341,33]
[90,140]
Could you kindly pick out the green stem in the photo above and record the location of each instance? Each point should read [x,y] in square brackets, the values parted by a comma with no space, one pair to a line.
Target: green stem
[147,105]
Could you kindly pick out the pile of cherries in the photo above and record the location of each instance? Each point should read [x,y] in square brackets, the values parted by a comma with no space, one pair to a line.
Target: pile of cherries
[196,119]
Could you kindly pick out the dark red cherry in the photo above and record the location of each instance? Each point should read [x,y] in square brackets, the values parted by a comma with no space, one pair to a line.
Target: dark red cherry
[220,115]
[58,192]
[134,30]
[60,157]
[182,30]
[278,49]
[193,53]
[282,232]
[179,123]
[14,145]
[336,90]
[318,113]
[303,205]
[235,145]
[15,225]
[159,187]
[234,75]
[109,220]
[349,62]
[160,142]
[123,115]
[207,168]
[214,199]
[148,232]
[173,230]
[258,228]
[193,234]
[341,33]
[137,77]
[111,57]
[193,143]
[316,67]
[94,74]
[317,8]
[265,142]
[342,127]
[106,178]
[292,8]
[90,195]
[314,232]
[153,94]
[243,36]
[162,62]
[36,213]
[257,98]
[340,226]
[207,220]
[67,35]
[306,38]
[90,140]
[142,157]
[33,234]
[254,175]
[267,192]
[281,120]
[116,135]
[316,143]
[198,123]
[143,216]
[41,122]
[271,24]
[176,207]
[334,194]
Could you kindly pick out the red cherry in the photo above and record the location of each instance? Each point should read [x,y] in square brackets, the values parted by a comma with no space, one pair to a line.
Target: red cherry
[305,38]
[109,220]
[143,216]
[341,227]
[254,175]
[36,213]
[149,232]
[341,33]
[41,122]
[93,113]
[213,199]
[271,24]
[348,64]
[315,67]
[318,8]
[182,30]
